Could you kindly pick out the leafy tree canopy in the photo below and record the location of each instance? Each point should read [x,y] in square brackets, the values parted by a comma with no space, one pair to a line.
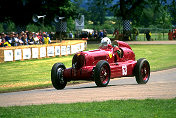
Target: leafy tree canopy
[21,11]
[143,12]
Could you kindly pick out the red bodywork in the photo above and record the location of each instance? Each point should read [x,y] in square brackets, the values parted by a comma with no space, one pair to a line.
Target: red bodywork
[83,63]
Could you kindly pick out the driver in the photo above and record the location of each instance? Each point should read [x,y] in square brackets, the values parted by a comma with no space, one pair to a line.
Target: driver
[116,48]
[106,42]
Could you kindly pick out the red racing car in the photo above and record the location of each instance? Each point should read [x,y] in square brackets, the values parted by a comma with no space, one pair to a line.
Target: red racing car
[109,61]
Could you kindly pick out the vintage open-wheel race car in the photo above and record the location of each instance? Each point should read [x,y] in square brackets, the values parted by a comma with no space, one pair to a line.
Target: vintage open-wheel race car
[109,61]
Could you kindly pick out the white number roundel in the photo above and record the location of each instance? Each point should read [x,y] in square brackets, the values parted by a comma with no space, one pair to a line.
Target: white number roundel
[124,70]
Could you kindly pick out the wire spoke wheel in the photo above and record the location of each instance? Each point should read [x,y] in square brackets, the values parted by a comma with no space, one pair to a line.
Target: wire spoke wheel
[145,72]
[142,71]
[102,73]
[60,75]
[57,78]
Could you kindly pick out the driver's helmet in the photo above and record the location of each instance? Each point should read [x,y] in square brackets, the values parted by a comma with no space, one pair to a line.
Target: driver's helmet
[105,41]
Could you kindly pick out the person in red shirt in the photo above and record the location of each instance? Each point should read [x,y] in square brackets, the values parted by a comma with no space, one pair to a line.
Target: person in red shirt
[116,33]
[174,34]
[1,43]
[170,35]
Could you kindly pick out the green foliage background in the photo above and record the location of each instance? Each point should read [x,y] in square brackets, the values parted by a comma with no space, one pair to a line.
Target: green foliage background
[102,14]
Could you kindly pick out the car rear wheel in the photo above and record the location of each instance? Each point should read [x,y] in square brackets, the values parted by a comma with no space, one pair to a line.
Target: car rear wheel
[57,78]
[102,73]
[142,71]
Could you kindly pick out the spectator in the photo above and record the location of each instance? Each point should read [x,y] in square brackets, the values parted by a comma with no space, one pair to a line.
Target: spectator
[51,35]
[11,39]
[46,39]
[135,33]
[6,36]
[36,39]
[84,35]
[174,34]
[77,34]
[16,40]
[1,43]
[90,35]
[95,34]
[30,39]
[170,35]
[148,35]
[101,34]
[3,35]
[20,40]
[116,34]
[25,39]
[40,37]
[6,43]
[70,35]
[104,33]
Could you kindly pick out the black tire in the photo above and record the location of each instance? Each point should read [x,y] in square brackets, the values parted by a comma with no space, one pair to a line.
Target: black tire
[57,78]
[102,73]
[142,71]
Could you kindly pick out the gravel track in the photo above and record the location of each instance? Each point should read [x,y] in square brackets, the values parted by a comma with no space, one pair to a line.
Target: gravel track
[162,85]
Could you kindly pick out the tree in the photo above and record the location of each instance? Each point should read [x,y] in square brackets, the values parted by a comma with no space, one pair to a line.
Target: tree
[134,9]
[96,13]
[172,10]
[21,11]
[127,9]
[154,14]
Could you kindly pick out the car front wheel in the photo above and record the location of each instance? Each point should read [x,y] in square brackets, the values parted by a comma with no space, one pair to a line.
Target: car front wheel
[142,71]
[57,78]
[102,73]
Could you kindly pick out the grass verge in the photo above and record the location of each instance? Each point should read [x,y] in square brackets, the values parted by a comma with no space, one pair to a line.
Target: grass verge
[148,108]
[30,74]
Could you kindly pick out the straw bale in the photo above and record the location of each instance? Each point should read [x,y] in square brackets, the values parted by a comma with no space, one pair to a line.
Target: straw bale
[1,55]
[58,43]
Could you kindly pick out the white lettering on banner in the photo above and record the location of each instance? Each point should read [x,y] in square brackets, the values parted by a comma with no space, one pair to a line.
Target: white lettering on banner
[43,52]
[82,46]
[26,53]
[78,47]
[124,70]
[34,52]
[63,50]
[57,50]
[8,55]
[18,54]
[68,49]
[72,49]
[50,51]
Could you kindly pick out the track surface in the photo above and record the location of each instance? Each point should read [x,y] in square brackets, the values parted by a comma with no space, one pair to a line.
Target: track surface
[141,42]
[162,84]
[151,42]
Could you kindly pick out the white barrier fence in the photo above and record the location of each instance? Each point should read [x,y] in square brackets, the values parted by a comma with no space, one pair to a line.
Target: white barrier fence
[41,51]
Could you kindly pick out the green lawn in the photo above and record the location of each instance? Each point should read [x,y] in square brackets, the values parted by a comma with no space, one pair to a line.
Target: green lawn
[148,108]
[24,75]
[142,36]
[154,36]
[159,56]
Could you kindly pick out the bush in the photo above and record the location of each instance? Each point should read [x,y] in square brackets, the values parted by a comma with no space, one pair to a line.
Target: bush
[32,27]
[1,28]
[9,26]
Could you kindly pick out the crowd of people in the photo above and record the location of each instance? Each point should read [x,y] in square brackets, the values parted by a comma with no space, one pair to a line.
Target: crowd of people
[33,38]
[24,38]
[91,35]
